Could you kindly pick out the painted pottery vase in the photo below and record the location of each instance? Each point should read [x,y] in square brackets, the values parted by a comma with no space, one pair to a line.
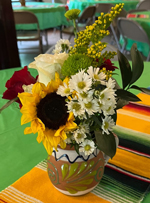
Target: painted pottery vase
[22,2]
[75,175]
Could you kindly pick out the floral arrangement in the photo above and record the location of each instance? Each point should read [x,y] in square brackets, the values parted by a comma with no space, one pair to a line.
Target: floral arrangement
[74,99]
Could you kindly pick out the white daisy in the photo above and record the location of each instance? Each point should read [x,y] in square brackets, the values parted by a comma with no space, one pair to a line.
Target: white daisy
[90,106]
[75,107]
[110,110]
[107,124]
[87,147]
[87,96]
[63,90]
[79,136]
[70,137]
[80,82]
[27,88]
[62,43]
[105,95]
[94,73]
[84,127]
[111,83]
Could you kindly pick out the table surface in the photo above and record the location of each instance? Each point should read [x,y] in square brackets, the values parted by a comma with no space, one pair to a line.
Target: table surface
[49,14]
[18,152]
[128,4]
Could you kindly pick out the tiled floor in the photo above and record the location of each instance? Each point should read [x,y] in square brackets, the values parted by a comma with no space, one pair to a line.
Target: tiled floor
[29,50]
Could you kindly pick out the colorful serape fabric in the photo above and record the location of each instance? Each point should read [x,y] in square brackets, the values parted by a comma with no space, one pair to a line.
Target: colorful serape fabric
[126,178]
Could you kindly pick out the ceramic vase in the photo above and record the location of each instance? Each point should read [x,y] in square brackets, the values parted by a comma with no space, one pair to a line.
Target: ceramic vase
[72,174]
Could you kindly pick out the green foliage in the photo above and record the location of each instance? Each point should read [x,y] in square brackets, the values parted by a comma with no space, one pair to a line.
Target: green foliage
[106,143]
[75,63]
[72,14]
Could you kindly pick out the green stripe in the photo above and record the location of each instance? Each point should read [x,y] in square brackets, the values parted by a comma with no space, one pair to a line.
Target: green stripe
[113,187]
[132,135]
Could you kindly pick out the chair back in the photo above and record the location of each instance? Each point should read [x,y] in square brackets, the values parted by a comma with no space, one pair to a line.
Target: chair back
[136,10]
[143,5]
[132,30]
[104,7]
[25,17]
[128,28]
[88,13]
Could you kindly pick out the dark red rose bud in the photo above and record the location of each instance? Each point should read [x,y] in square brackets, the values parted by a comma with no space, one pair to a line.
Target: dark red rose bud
[15,83]
[108,65]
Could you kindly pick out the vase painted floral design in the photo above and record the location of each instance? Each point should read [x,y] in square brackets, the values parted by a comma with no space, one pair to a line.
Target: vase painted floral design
[75,175]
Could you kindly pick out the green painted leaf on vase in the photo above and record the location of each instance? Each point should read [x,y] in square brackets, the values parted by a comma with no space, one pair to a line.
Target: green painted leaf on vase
[82,167]
[64,170]
[72,169]
[86,181]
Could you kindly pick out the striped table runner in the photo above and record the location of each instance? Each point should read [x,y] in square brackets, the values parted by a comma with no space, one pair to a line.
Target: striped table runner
[127,175]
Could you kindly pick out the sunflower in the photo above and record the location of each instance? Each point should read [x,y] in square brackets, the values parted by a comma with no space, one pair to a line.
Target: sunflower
[48,114]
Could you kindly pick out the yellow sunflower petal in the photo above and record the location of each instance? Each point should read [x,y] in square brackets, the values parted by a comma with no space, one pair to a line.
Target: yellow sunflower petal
[71,125]
[26,118]
[40,89]
[47,146]
[27,130]
[66,80]
[40,136]
[25,98]
[62,144]
[63,135]
[37,125]
[29,109]
[61,128]
[71,117]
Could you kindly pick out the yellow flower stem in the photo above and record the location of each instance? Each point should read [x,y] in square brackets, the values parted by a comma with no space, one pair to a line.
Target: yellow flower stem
[8,103]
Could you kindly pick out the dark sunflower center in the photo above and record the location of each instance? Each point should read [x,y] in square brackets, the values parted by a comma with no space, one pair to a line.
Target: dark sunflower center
[52,111]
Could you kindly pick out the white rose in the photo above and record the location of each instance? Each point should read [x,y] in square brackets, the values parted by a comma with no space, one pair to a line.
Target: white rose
[47,65]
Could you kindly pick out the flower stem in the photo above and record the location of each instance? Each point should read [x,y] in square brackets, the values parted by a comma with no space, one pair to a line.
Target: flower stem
[8,103]
[75,28]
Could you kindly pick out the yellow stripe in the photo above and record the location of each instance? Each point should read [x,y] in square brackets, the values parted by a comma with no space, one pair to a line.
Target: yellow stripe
[145,99]
[45,191]
[132,162]
[133,121]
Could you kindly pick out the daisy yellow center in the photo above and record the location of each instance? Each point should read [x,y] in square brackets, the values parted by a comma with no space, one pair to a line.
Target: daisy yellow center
[79,135]
[76,106]
[81,85]
[106,125]
[96,77]
[88,105]
[67,91]
[102,96]
[83,95]
[87,147]
[69,135]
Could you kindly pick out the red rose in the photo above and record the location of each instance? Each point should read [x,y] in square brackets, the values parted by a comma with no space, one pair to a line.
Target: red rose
[14,84]
[108,65]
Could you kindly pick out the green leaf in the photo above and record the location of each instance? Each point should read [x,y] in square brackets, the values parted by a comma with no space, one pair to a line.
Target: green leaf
[137,64]
[106,143]
[142,89]
[121,103]
[97,121]
[125,69]
[127,96]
